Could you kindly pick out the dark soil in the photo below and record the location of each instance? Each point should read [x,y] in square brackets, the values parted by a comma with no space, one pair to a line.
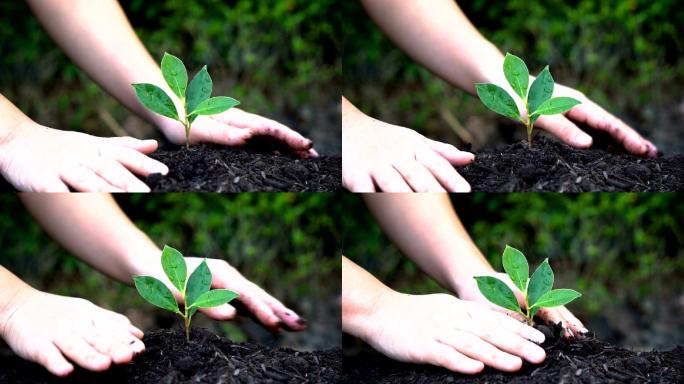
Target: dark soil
[208,358]
[567,361]
[208,168]
[556,167]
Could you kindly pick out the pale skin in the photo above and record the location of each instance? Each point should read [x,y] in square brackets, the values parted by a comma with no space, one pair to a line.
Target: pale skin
[98,37]
[79,332]
[462,334]
[437,35]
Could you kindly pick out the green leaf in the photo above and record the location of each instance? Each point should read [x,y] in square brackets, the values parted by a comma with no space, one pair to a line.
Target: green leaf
[556,297]
[174,267]
[155,292]
[516,267]
[175,74]
[496,99]
[517,74]
[199,89]
[156,100]
[214,298]
[497,292]
[540,91]
[533,311]
[215,105]
[540,282]
[198,283]
[556,105]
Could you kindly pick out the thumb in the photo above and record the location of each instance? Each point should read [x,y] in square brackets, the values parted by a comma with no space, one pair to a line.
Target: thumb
[565,130]
[222,312]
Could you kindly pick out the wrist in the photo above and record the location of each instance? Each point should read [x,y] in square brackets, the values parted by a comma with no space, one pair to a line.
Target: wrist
[364,320]
[14,293]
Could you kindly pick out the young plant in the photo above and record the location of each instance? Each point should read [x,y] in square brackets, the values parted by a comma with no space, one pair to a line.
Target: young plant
[536,290]
[537,101]
[194,290]
[195,98]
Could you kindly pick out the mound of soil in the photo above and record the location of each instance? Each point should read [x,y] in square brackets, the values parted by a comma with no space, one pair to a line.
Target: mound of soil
[556,167]
[208,168]
[208,358]
[567,361]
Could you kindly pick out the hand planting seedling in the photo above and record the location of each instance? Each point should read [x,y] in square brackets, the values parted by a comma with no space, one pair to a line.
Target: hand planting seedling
[537,101]
[536,290]
[195,98]
[194,290]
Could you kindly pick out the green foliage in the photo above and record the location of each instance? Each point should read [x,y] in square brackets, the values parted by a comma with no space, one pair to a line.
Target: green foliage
[517,75]
[176,76]
[196,294]
[537,291]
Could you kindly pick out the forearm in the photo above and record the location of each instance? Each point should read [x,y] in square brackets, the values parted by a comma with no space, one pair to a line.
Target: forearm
[93,228]
[426,229]
[361,291]
[98,37]
[440,37]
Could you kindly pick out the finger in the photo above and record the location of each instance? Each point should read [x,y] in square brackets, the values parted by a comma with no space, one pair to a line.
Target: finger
[260,125]
[572,321]
[418,177]
[135,161]
[222,312]
[262,311]
[52,359]
[598,118]
[83,179]
[566,130]
[451,153]
[82,353]
[520,328]
[292,138]
[389,180]
[144,146]
[359,182]
[135,331]
[212,131]
[445,172]
[446,356]
[553,316]
[117,175]
[291,320]
[510,342]
[476,348]
[111,344]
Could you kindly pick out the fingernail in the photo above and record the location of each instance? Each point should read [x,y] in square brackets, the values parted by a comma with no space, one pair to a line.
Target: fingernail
[582,140]
[302,321]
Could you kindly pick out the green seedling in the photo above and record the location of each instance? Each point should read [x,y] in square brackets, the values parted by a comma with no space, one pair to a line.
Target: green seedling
[537,99]
[536,290]
[194,290]
[195,98]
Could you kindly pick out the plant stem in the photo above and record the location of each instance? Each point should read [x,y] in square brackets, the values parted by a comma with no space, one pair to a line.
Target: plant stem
[186,124]
[187,326]
[529,134]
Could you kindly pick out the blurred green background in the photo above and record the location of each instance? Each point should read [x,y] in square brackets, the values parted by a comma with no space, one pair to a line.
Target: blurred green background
[624,252]
[289,244]
[280,58]
[627,55]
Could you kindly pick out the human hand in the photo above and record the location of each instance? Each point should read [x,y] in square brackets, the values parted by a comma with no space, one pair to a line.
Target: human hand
[234,128]
[397,159]
[442,330]
[467,290]
[49,329]
[596,117]
[272,314]
[42,159]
